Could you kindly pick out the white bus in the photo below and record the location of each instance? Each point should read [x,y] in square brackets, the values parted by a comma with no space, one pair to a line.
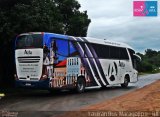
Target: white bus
[54,61]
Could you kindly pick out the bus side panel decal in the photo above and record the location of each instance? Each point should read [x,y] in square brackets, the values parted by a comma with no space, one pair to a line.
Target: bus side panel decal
[93,66]
[93,63]
[99,66]
[86,64]
[97,61]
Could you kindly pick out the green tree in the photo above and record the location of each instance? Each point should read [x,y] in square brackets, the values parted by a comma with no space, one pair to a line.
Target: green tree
[74,22]
[19,16]
[58,16]
[150,52]
[150,61]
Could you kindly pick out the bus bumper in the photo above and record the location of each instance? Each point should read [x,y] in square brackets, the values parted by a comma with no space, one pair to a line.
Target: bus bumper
[41,84]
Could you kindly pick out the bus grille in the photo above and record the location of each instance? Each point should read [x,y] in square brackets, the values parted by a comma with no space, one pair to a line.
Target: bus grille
[29,59]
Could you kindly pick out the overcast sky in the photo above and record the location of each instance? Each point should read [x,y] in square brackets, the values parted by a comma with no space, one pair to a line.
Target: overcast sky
[114,20]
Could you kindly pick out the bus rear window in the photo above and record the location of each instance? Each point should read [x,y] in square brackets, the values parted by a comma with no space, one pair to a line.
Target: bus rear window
[29,41]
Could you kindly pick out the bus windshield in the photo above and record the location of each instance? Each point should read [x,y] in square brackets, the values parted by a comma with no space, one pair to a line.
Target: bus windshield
[29,41]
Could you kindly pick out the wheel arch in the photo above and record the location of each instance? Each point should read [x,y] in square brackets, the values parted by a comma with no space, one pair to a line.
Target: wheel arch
[127,76]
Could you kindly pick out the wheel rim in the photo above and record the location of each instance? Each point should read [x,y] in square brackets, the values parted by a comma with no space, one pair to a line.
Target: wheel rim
[126,81]
[80,86]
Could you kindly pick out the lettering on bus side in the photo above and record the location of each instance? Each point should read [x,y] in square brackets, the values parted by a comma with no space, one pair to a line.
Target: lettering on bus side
[27,52]
[121,64]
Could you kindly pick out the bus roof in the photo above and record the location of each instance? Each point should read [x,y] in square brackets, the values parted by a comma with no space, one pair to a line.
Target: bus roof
[107,42]
[48,35]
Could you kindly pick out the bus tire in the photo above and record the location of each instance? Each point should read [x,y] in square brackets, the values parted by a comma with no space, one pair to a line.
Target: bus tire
[80,87]
[126,82]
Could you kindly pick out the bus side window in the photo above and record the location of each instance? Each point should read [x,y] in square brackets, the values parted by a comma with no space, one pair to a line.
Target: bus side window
[102,51]
[114,52]
[123,54]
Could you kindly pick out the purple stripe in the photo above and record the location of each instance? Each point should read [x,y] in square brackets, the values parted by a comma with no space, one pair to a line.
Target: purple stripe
[79,40]
[71,38]
[88,55]
[85,63]
[97,61]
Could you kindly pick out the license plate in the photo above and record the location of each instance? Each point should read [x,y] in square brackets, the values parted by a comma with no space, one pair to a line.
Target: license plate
[28,84]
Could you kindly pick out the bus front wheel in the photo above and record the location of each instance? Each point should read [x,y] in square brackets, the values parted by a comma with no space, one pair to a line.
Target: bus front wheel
[126,82]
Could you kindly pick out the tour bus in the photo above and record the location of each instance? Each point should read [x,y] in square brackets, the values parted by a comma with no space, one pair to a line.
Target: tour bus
[54,61]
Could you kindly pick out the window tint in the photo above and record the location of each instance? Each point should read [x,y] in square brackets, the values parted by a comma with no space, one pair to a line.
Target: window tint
[123,53]
[27,41]
[102,51]
[114,52]
[110,52]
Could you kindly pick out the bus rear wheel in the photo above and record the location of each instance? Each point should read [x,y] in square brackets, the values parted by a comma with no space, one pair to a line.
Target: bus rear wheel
[126,82]
[80,85]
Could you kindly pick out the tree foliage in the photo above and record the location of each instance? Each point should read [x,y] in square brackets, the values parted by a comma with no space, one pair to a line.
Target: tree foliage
[58,16]
[20,16]
[74,21]
[150,61]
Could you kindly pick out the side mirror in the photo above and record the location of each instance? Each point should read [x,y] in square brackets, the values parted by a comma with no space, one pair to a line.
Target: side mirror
[137,57]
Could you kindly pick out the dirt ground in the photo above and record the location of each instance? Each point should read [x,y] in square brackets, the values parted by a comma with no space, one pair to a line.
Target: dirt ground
[144,102]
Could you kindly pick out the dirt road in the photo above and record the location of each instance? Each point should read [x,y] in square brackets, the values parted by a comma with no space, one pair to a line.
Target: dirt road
[41,103]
